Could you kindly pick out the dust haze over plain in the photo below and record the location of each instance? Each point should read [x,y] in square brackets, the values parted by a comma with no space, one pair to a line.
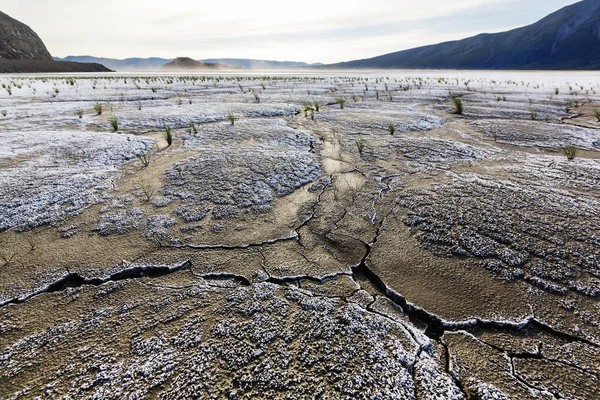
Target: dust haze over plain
[315,31]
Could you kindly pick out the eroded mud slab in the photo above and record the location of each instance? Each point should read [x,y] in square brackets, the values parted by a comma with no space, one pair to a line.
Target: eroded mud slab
[299,237]
[47,176]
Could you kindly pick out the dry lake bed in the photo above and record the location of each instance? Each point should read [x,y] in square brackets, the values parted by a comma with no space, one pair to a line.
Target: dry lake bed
[300,236]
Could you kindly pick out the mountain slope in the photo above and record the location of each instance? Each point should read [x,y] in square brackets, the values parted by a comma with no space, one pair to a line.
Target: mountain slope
[128,64]
[20,42]
[259,64]
[566,39]
[188,64]
[155,64]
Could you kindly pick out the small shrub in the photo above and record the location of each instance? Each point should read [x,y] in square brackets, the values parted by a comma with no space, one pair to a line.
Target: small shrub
[147,190]
[79,113]
[193,127]
[231,118]
[114,123]
[145,158]
[98,108]
[309,109]
[7,258]
[168,135]
[341,101]
[532,113]
[3,112]
[256,97]
[570,152]
[391,129]
[360,145]
[458,104]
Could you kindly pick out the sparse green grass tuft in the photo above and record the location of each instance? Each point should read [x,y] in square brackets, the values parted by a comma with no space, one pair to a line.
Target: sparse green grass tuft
[193,127]
[458,103]
[532,113]
[145,158]
[391,129]
[168,135]
[341,101]
[114,123]
[597,114]
[3,112]
[570,152]
[317,106]
[79,113]
[98,108]
[360,145]
[231,118]
[147,190]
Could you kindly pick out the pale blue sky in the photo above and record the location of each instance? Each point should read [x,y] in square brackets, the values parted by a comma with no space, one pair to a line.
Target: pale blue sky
[310,30]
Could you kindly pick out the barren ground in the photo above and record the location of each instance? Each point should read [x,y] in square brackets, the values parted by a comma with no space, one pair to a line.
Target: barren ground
[284,246]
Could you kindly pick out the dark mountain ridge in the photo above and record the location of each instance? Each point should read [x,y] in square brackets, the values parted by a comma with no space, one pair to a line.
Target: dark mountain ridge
[566,39]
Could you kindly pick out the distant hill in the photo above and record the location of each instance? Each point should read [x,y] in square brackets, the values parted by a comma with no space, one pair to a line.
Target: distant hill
[155,64]
[38,66]
[128,64]
[20,42]
[566,39]
[22,51]
[189,64]
[259,64]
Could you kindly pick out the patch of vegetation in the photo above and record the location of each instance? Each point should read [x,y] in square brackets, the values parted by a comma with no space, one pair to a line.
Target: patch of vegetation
[361,145]
[231,118]
[391,129]
[570,152]
[457,101]
[114,123]
[145,158]
[168,135]
[341,101]
[79,113]
[99,108]
[597,114]
[147,190]
[193,128]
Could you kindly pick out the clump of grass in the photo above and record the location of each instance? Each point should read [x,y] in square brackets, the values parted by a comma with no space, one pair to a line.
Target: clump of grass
[597,114]
[7,257]
[168,135]
[341,101]
[139,106]
[99,108]
[309,109]
[147,190]
[231,118]
[317,106]
[193,127]
[114,123]
[360,145]
[457,101]
[3,112]
[556,91]
[570,152]
[391,129]
[256,97]
[532,113]
[145,158]
[79,113]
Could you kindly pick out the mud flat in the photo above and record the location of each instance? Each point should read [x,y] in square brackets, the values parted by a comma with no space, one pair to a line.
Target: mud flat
[300,237]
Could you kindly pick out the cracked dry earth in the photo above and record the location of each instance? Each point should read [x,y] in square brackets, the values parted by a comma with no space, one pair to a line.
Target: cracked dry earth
[301,252]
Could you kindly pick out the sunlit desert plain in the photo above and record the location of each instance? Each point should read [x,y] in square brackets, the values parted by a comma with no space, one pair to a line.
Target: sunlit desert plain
[398,235]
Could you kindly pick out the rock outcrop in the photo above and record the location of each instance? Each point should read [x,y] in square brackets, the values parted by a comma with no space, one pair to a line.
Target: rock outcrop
[20,42]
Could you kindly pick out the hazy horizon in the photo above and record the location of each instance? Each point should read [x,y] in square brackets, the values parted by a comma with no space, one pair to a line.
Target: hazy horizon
[315,32]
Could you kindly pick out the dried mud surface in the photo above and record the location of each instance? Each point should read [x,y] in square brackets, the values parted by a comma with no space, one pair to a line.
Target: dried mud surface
[298,237]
